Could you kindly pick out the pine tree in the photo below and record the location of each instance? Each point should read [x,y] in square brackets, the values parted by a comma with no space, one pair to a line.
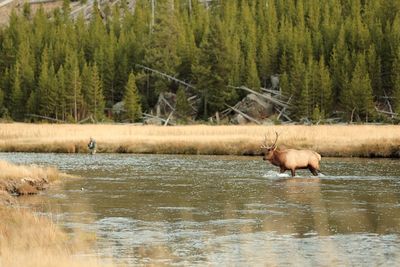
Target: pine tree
[96,36]
[358,97]
[374,70]
[212,71]
[340,66]
[27,65]
[252,79]
[267,52]
[323,88]
[162,53]
[86,84]
[299,86]
[224,43]
[16,95]
[95,98]
[46,92]
[182,104]
[61,104]
[250,73]
[132,100]
[395,80]
[108,71]
[74,99]
[121,69]
[2,107]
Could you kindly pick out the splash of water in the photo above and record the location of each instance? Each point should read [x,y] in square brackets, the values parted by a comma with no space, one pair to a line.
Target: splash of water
[274,174]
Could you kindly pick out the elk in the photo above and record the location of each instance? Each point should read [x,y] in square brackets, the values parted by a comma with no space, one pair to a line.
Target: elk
[291,159]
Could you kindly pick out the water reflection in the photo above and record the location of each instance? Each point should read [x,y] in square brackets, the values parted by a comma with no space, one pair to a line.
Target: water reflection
[188,210]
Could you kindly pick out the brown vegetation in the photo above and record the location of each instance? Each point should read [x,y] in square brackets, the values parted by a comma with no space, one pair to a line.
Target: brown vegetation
[25,180]
[30,240]
[27,239]
[328,140]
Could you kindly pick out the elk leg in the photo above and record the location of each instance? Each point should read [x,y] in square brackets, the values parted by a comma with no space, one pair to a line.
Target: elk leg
[293,172]
[313,171]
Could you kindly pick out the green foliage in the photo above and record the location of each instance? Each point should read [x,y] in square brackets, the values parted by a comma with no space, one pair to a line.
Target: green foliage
[331,55]
[182,104]
[46,93]
[93,93]
[133,109]
[396,82]
[357,97]
[16,95]
[1,99]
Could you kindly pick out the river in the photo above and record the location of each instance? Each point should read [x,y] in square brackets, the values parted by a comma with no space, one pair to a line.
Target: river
[225,210]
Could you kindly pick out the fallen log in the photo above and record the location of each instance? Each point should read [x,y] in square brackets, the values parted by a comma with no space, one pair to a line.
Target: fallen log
[386,112]
[269,98]
[284,109]
[169,117]
[281,112]
[166,76]
[275,92]
[44,117]
[244,114]
[146,115]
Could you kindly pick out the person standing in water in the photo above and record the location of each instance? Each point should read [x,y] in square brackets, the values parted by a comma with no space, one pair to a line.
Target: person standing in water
[92,146]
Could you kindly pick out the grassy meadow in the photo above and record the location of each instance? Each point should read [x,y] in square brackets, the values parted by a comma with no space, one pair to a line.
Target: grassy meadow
[328,140]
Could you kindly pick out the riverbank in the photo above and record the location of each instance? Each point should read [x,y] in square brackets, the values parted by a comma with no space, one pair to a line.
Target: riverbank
[27,239]
[328,140]
[31,240]
[25,180]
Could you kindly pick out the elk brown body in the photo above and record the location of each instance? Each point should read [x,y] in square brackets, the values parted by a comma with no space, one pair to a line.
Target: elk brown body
[292,159]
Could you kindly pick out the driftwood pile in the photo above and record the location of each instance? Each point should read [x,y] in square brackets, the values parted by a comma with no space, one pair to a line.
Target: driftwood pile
[256,107]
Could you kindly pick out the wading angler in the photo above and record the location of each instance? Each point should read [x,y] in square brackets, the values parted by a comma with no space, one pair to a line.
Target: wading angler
[92,146]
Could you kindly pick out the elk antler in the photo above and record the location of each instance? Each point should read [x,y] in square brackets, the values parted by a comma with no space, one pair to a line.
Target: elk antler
[273,146]
[276,140]
[265,145]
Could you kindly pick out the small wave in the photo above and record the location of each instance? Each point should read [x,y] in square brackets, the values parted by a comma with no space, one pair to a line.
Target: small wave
[274,174]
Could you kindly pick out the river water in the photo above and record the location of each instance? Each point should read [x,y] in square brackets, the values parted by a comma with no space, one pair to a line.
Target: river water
[225,210]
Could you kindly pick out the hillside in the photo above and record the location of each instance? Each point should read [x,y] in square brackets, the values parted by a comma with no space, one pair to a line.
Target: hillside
[334,60]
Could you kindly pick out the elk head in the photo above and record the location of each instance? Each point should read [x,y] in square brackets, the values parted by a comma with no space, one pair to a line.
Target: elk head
[268,151]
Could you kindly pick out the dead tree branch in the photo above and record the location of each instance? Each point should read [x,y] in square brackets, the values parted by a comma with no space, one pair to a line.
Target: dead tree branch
[166,76]
[244,114]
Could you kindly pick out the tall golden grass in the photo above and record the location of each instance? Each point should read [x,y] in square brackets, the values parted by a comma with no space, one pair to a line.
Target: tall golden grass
[22,180]
[338,140]
[329,140]
[27,239]
[13,172]
[33,241]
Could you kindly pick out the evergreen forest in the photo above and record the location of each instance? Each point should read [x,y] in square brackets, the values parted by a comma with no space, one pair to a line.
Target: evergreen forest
[334,58]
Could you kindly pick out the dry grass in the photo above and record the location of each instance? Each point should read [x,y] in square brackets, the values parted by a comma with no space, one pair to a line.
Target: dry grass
[27,239]
[32,241]
[16,172]
[329,140]
[21,180]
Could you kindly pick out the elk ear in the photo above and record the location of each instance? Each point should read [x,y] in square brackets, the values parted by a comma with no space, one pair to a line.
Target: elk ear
[274,148]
